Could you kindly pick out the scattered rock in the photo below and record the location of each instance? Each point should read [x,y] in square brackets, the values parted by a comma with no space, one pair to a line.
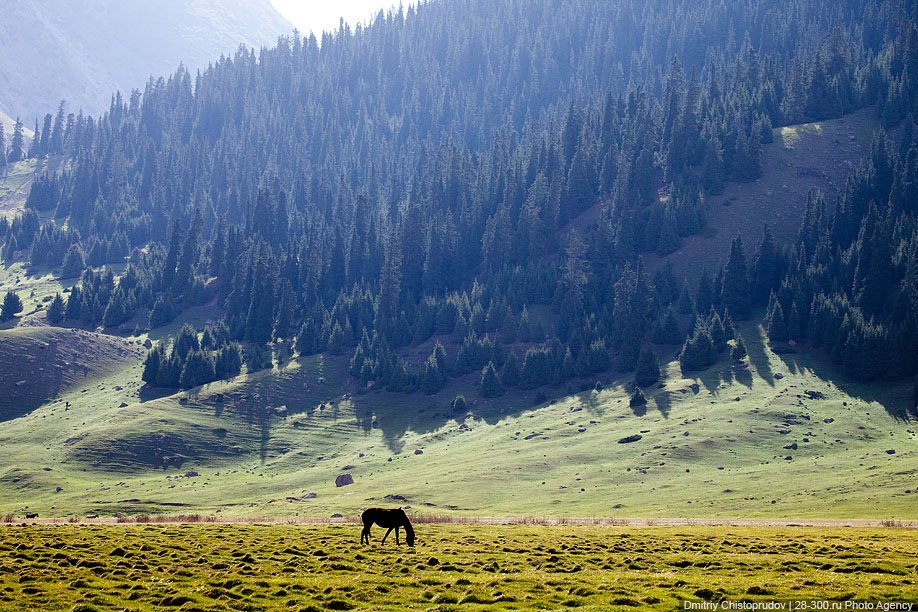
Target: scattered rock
[310,495]
[778,375]
[532,435]
[581,429]
[344,479]
[147,344]
[337,515]
[630,439]
[791,446]
[123,405]
[463,426]
[814,395]
[280,409]
[418,451]
[828,420]
[58,489]
[890,452]
[191,474]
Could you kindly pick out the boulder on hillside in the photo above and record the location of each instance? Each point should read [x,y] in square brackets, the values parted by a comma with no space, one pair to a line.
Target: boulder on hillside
[343,480]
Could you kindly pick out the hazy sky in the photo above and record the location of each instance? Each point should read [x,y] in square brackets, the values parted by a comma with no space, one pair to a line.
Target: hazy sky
[320,15]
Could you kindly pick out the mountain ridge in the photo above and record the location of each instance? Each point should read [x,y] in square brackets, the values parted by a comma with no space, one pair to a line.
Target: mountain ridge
[119,52]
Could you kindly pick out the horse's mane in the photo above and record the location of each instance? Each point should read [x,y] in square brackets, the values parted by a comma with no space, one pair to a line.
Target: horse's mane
[409,530]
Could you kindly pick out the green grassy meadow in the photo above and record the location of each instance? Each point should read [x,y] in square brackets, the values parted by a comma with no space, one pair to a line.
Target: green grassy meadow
[468,567]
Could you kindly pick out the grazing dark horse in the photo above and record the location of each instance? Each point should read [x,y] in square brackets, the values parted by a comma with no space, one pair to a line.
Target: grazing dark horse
[390,519]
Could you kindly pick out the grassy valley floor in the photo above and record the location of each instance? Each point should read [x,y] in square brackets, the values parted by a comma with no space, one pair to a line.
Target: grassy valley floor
[467,567]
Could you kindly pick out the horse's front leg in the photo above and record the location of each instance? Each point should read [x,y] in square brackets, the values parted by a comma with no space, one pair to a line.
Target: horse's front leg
[387,535]
[396,535]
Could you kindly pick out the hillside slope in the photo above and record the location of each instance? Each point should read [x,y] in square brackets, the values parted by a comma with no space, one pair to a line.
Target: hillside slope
[90,48]
[728,443]
[802,158]
[38,364]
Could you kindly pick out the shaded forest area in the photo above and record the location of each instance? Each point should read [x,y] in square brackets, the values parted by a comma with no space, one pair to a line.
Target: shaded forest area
[404,185]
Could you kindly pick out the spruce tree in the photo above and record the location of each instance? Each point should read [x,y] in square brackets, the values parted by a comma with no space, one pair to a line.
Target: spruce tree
[228,361]
[198,370]
[56,310]
[648,370]
[775,323]
[152,364]
[490,386]
[735,293]
[738,352]
[17,143]
[510,372]
[12,305]
[459,405]
[185,342]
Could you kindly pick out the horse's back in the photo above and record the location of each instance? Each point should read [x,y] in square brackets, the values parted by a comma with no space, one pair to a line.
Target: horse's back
[384,517]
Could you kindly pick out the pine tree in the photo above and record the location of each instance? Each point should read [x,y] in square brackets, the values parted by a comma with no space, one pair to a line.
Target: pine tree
[775,323]
[666,329]
[434,376]
[198,370]
[152,365]
[185,342]
[490,386]
[56,310]
[17,143]
[163,311]
[735,293]
[259,322]
[12,305]
[698,352]
[738,352]
[510,373]
[598,357]
[459,405]
[648,369]
[229,361]
[637,398]
[537,368]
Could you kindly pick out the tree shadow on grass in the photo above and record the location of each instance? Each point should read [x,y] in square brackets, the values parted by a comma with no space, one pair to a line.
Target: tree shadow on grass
[663,402]
[755,341]
[895,398]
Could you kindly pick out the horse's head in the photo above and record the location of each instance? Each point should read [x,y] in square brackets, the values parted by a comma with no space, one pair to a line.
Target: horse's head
[409,537]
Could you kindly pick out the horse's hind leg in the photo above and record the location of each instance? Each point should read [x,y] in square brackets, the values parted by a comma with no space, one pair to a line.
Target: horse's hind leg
[387,535]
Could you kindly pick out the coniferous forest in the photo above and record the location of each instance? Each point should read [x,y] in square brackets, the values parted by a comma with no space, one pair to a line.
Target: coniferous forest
[422,182]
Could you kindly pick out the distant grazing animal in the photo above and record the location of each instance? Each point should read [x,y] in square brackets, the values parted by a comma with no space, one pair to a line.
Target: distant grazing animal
[32,515]
[390,519]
